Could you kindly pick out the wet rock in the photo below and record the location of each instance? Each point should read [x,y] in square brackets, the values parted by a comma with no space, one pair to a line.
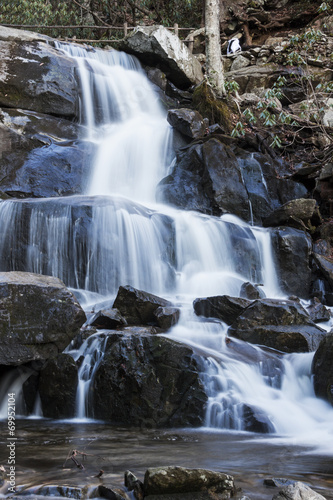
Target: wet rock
[187,121]
[41,156]
[108,319]
[132,483]
[179,480]
[301,213]
[30,391]
[318,312]
[255,420]
[166,317]
[197,184]
[157,46]
[325,265]
[251,292]
[57,387]
[216,178]
[138,307]
[148,381]
[39,317]
[322,369]
[222,307]
[297,491]
[110,493]
[277,482]
[39,77]
[281,324]
[292,249]
[53,491]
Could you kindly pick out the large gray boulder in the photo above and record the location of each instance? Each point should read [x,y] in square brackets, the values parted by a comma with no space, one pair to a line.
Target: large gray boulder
[157,46]
[281,324]
[322,369]
[36,76]
[149,381]
[39,317]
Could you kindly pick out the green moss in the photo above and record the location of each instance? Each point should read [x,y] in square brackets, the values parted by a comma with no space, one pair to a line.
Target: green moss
[216,110]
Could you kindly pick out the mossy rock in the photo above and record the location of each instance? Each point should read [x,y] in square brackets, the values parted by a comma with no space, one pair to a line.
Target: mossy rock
[216,110]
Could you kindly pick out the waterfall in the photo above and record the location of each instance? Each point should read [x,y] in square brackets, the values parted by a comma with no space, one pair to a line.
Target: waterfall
[116,234]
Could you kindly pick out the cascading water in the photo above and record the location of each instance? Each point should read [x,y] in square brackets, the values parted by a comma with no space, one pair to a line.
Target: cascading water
[112,240]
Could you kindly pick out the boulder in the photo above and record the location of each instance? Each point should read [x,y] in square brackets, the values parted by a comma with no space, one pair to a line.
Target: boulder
[216,178]
[108,319]
[166,317]
[180,480]
[38,319]
[251,77]
[197,184]
[292,249]
[297,491]
[157,46]
[301,213]
[57,387]
[149,381]
[42,156]
[222,307]
[38,77]
[187,121]
[281,324]
[322,369]
[138,307]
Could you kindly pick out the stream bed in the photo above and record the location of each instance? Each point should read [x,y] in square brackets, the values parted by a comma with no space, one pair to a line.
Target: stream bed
[43,449]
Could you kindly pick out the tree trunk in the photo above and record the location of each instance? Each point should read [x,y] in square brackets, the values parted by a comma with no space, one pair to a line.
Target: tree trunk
[214,65]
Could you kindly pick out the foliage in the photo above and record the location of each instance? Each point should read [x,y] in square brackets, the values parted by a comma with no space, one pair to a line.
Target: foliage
[102,12]
[267,113]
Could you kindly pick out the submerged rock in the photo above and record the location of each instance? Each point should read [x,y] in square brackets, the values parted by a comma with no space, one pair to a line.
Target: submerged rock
[281,324]
[157,46]
[148,381]
[180,480]
[322,369]
[39,317]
